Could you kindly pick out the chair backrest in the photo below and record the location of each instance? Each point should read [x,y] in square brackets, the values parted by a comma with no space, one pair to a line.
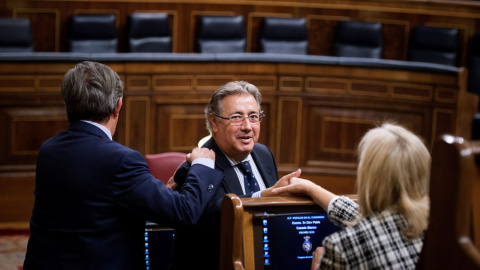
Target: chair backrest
[452,239]
[148,32]
[164,165]
[221,34]
[358,39]
[473,64]
[93,33]
[284,35]
[16,35]
[433,45]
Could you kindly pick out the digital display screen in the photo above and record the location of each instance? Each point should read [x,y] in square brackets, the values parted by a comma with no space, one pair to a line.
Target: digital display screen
[287,240]
[158,247]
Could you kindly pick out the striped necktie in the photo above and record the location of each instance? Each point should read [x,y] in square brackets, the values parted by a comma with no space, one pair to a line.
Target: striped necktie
[251,184]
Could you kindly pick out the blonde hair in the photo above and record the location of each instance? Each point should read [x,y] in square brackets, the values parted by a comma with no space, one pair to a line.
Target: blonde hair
[394,174]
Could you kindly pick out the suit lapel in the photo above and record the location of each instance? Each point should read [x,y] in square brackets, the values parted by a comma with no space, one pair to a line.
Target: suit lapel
[231,181]
[266,171]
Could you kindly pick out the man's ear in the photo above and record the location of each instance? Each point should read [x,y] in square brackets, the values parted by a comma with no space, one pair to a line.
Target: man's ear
[116,111]
[213,122]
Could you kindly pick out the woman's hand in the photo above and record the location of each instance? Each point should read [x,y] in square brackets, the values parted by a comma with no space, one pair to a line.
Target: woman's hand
[317,254]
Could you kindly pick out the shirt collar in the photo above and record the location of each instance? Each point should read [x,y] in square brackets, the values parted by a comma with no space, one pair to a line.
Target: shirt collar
[234,162]
[102,127]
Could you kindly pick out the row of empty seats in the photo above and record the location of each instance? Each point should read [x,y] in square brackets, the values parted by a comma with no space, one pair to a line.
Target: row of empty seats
[146,32]
[91,33]
[150,32]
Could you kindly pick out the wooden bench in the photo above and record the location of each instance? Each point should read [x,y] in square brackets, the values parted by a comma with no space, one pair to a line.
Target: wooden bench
[452,239]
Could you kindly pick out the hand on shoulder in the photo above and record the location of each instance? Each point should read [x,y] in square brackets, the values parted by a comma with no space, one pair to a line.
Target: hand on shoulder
[200,153]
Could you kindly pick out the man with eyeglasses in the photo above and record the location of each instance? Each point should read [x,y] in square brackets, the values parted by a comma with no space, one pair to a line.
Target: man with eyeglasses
[233,118]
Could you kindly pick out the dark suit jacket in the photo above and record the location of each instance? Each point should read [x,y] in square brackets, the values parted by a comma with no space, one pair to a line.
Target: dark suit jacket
[92,198]
[206,234]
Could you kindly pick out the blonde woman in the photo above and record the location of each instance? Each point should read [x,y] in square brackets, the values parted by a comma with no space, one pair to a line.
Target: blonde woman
[385,229]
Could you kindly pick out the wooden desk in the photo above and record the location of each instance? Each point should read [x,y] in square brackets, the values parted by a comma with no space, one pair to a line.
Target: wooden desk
[237,249]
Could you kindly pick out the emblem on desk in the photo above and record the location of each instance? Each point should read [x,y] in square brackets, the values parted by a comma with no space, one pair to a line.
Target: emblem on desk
[307,245]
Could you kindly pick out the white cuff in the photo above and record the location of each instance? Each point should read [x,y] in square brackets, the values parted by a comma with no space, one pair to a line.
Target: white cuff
[257,194]
[204,161]
[331,203]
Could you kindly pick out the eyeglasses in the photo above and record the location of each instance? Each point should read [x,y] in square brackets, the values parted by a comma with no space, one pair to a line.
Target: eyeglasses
[237,119]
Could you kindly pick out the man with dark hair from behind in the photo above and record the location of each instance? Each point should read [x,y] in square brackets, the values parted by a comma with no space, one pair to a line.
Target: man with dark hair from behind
[93,195]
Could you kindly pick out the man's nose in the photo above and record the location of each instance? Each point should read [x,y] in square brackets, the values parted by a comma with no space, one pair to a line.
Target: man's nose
[246,125]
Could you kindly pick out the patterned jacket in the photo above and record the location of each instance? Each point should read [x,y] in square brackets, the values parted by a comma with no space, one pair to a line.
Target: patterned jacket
[376,242]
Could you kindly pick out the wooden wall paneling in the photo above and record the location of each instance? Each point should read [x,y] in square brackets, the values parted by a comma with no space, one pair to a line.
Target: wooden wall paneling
[338,184]
[290,83]
[329,143]
[38,129]
[181,137]
[446,95]
[139,83]
[45,25]
[47,83]
[289,119]
[326,85]
[18,83]
[269,124]
[321,33]
[173,82]
[334,129]
[26,129]
[172,21]
[412,91]
[120,133]
[28,70]
[16,197]
[254,28]
[336,134]
[212,82]
[137,123]
[264,84]
[194,25]
[395,38]
[180,124]
[369,88]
